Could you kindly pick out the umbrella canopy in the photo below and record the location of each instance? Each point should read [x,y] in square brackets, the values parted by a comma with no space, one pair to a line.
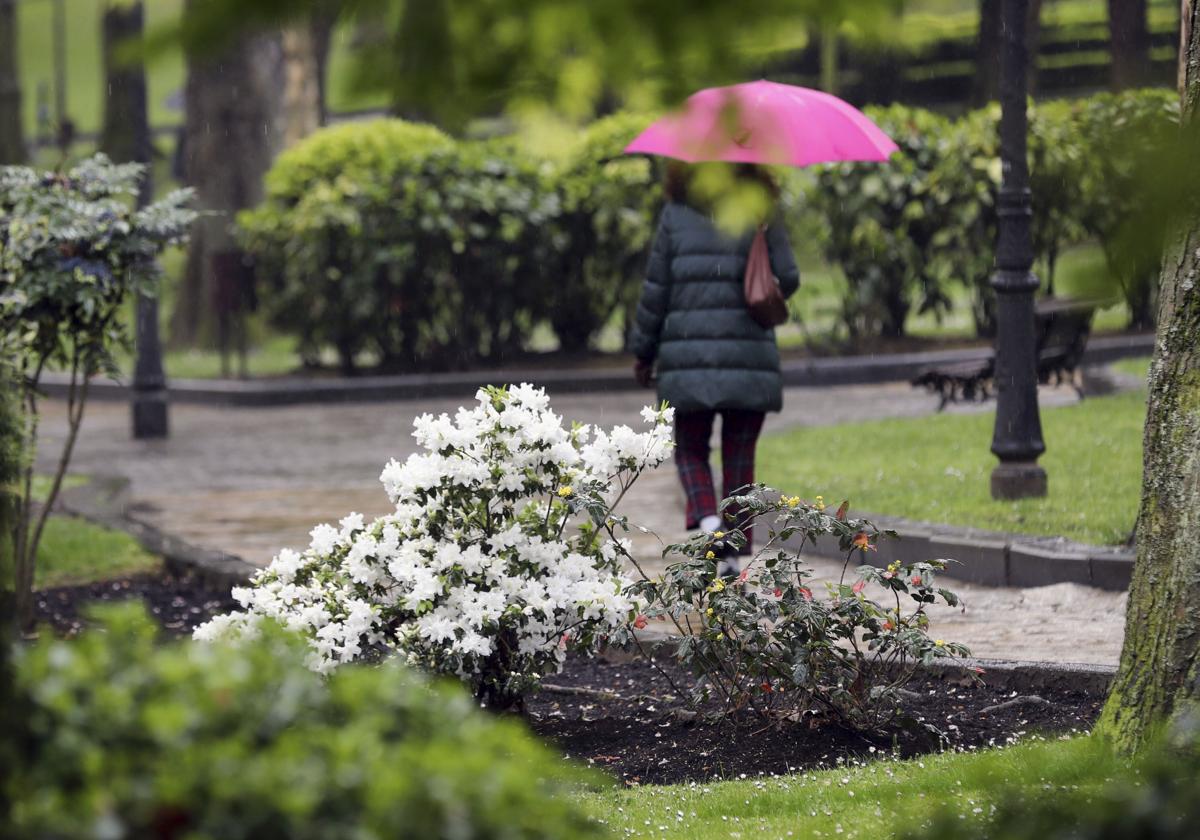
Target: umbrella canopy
[765,123]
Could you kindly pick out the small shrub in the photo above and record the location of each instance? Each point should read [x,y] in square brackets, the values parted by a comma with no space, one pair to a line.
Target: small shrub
[766,643]
[74,249]
[392,239]
[884,220]
[495,561]
[123,737]
[609,204]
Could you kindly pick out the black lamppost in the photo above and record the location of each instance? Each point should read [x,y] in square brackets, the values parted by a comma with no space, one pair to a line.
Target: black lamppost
[126,136]
[1017,440]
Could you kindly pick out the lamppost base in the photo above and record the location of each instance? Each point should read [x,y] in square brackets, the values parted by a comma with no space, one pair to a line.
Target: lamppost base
[149,410]
[1018,480]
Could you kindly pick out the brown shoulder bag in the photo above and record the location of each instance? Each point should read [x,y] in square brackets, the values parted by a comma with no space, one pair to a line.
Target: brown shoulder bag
[763,298]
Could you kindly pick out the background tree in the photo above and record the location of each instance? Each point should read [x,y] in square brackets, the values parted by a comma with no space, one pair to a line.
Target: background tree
[231,134]
[301,108]
[12,139]
[11,464]
[1129,37]
[125,133]
[1159,674]
[565,54]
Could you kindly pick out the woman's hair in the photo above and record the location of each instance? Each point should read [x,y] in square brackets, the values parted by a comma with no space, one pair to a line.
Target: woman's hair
[679,174]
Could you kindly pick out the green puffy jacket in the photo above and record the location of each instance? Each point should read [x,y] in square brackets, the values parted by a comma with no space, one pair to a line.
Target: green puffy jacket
[692,318]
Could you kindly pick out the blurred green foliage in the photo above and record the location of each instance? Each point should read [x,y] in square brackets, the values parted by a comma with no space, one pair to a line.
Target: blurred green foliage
[126,737]
[1133,169]
[448,62]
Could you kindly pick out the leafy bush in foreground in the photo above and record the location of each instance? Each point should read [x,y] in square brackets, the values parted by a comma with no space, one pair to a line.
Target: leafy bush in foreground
[126,738]
[1153,795]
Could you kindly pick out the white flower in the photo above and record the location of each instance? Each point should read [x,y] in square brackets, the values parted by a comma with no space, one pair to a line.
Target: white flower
[324,539]
[474,547]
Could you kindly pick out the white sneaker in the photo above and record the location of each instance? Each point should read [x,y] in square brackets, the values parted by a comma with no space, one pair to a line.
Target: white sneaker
[729,567]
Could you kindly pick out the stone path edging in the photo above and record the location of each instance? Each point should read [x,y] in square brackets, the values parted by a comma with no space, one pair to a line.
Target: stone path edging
[989,558]
[840,370]
[104,501]
[993,558]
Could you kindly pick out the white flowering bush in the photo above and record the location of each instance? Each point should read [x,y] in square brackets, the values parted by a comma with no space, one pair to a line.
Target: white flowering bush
[501,554]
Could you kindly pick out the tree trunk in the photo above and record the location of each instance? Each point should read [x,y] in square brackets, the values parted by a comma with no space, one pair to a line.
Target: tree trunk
[987,54]
[301,106]
[12,458]
[322,36]
[125,134]
[1129,38]
[1033,38]
[231,131]
[12,138]
[1159,674]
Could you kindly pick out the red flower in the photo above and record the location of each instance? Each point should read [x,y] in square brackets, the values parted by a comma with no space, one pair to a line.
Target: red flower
[766,686]
[915,580]
[861,540]
[562,641]
[640,622]
[743,576]
[888,625]
[860,586]
[778,592]
[806,593]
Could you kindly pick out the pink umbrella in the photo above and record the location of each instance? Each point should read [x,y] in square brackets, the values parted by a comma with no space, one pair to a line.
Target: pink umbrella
[768,123]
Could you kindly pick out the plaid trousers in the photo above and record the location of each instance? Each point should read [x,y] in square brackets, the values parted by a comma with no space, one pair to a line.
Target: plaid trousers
[739,436]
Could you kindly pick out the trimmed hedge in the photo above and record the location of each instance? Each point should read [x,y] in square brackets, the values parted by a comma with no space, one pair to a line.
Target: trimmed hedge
[126,737]
[394,241]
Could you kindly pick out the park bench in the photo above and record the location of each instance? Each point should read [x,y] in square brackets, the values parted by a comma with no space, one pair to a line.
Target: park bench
[1062,327]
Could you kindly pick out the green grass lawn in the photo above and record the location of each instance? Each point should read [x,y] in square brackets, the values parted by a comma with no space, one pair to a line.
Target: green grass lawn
[1139,366]
[936,469]
[877,800]
[75,551]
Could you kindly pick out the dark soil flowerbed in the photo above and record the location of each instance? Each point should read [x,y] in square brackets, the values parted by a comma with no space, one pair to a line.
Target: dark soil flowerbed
[622,715]
[178,603]
[642,738]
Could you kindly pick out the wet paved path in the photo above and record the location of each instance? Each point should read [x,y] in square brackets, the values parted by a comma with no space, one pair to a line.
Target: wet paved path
[249,481]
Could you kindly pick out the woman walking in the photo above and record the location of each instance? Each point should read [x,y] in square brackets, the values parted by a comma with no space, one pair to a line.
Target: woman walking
[712,357]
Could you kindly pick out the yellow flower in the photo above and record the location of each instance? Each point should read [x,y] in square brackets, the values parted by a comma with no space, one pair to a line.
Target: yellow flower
[718,534]
[819,504]
[717,586]
[708,611]
[565,491]
[938,643]
[709,555]
[793,501]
